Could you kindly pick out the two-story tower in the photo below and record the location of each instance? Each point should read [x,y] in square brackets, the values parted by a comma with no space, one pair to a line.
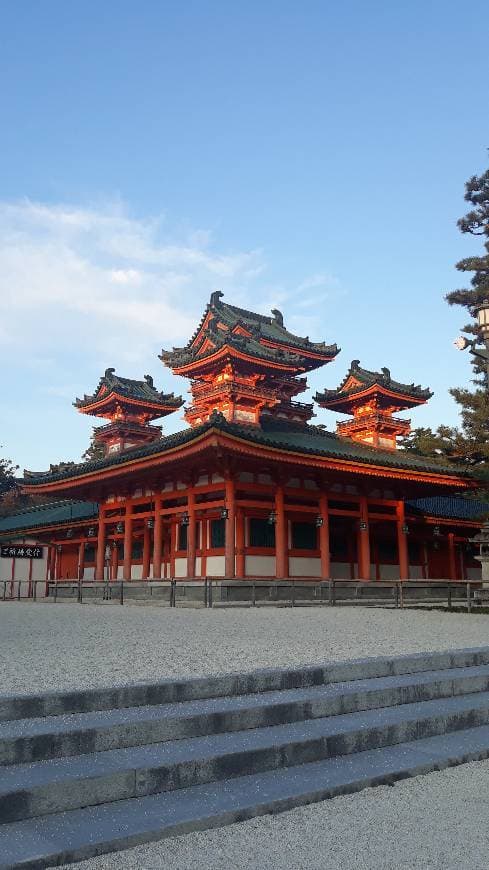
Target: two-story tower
[245,365]
[372,398]
[130,406]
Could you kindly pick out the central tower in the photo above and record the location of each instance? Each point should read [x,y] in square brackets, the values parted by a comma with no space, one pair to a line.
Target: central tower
[245,365]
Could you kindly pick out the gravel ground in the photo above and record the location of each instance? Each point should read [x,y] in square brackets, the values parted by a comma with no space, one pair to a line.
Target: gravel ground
[434,822]
[437,821]
[65,646]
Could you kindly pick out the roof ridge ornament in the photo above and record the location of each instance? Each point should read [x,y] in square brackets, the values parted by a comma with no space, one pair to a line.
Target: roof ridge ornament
[215,297]
[278,317]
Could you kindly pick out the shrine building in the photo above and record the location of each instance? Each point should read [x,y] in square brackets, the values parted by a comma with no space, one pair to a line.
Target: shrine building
[251,487]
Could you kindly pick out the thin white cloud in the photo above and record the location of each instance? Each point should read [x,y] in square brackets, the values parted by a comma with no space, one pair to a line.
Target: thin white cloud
[99,279]
[126,276]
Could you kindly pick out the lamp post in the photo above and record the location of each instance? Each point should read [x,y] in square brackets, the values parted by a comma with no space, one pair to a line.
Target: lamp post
[483,540]
[462,343]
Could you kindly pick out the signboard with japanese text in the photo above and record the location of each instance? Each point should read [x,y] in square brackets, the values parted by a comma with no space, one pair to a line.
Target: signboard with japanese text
[21,551]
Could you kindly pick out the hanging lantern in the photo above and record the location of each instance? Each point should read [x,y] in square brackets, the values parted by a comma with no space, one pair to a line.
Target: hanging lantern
[119,527]
[272,518]
[91,532]
[150,523]
[69,533]
[224,513]
[185,519]
[363,526]
[405,529]
[319,521]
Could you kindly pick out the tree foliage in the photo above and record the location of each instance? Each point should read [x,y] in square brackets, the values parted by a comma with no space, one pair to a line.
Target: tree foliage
[94,451]
[470,442]
[7,476]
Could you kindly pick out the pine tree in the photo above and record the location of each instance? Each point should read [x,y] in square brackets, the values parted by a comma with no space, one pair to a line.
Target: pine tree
[94,451]
[7,475]
[470,443]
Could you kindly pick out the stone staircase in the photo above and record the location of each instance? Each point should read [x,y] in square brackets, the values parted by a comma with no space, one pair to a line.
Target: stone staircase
[83,773]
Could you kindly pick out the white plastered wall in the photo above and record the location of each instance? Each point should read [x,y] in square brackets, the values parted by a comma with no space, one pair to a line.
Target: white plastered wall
[260,566]
[303,566]
[215,566]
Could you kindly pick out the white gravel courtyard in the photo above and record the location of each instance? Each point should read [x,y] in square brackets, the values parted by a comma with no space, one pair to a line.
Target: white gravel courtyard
[434,822]
[67,646]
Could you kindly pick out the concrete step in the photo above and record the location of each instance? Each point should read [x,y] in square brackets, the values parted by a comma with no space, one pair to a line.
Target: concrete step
[218,686]
[30,740]
[86,780]
[83,833]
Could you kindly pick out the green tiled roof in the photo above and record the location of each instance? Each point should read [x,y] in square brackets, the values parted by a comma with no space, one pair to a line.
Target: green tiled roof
[52,513]
[449,507]
[142,391]
[261,327]
[369,378]
[296,438]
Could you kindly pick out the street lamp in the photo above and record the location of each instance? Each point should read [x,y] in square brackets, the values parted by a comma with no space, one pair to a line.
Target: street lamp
[483,319]
[462,343]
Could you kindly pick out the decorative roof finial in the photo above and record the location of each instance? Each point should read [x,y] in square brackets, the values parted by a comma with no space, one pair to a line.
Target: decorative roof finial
[215,296]
[149,380]
[386,373]
[355,364]
[109,372]
[278,316]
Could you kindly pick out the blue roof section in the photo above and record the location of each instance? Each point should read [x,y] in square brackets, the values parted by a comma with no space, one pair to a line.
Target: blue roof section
[53,513]
[449,507]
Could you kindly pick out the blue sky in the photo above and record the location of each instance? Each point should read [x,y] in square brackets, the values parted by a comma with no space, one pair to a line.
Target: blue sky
[306,156]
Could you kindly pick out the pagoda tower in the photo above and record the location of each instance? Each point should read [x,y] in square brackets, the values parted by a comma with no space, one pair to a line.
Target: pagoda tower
[245,365]
[130,406]
[372,398]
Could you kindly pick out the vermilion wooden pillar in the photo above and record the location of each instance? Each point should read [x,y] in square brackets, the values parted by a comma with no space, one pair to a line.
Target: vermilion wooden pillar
[173,545]
[99,564]
[48,571]
[191,536]
[158,540]
[281,543]
[204,537]
[364,541]
[127,542]
[324,538]
[57,563]
[230,543]
[81,560]
[402,542]
[146,551]
[451,556]
[240,544]
[114,560]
